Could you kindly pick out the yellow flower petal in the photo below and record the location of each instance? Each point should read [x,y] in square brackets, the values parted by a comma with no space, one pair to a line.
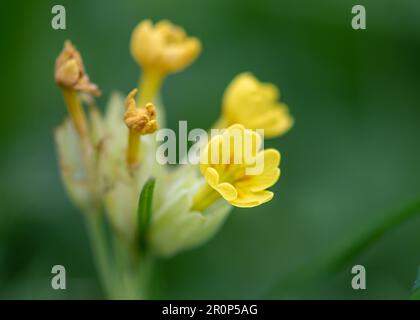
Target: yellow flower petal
[269,176]
[241,144]
[271,158]
[276,122]
[212,177]
[255,105]
[259,182]
[163,47]
[227,191]
[212,155]
[249,200]
[232,180]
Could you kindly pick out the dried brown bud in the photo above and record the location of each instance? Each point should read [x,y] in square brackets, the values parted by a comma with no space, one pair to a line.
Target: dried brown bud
[70,72]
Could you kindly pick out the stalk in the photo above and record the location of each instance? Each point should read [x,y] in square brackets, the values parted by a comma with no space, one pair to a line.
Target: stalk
[100,252]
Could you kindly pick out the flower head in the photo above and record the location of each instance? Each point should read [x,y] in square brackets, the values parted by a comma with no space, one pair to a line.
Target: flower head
[140,120]
[101,170]
[255,105]
[70,72]
[232,178]
[163,47]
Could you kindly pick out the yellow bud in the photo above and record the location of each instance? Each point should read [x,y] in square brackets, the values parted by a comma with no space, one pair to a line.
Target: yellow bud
[70,72]
[255,105]
[164,47]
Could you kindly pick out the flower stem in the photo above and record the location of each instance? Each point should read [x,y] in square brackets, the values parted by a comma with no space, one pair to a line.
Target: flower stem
[99,248]
[75,110]
[149,86]
[133,272]
[133,148]
[145,275]
[204,198]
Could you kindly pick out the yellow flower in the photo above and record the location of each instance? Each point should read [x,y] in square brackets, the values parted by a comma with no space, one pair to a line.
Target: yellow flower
[70,72]
[231,177]
[255,105]
[163,47]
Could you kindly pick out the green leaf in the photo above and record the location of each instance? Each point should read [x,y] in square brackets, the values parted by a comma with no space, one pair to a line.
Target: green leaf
[144,212]
[341,256]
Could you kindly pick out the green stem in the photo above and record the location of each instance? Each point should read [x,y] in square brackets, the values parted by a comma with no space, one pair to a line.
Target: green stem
[99,248]
[133,272]
[124,282]
[205,197]
[145,275]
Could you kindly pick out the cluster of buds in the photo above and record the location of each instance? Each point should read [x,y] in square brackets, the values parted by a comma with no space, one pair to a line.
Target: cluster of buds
[108,159]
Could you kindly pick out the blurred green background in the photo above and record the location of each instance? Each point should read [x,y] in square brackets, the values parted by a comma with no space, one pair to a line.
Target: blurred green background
[351,159]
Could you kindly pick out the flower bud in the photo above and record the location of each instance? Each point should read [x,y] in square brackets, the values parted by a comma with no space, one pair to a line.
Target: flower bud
[163,47]
[70,72]
[140,120]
